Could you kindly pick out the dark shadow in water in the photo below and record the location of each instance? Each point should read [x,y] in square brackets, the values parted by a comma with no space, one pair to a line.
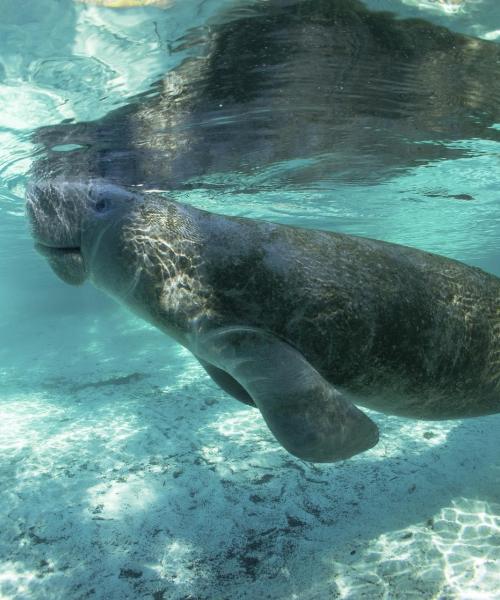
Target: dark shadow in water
[347,92]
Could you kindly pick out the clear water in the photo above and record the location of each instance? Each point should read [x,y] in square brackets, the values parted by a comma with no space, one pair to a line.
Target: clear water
[124,472]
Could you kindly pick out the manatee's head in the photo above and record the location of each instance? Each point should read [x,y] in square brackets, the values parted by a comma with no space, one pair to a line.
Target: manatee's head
[75,222]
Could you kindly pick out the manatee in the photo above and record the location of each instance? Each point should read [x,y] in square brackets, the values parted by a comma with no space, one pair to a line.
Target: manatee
[306,325]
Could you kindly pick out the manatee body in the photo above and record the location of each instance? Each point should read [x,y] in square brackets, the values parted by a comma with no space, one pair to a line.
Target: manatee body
[303,324]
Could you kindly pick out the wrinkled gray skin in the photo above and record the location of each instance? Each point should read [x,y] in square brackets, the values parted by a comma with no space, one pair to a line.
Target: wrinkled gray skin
[303,324]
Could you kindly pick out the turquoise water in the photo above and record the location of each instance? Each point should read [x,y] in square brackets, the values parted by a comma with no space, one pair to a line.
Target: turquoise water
[125,473]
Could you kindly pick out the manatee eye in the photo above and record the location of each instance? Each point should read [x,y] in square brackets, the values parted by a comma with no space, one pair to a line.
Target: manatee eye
[101,205]
[106,198]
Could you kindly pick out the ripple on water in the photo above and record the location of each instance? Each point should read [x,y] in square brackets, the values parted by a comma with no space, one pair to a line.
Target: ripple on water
[79,74]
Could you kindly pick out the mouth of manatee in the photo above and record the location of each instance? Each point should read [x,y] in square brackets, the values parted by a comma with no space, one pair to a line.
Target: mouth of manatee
[55,251]
[66,261]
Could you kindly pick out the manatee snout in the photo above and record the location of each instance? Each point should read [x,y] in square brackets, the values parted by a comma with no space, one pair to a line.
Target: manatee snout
[55,212]
[68,218]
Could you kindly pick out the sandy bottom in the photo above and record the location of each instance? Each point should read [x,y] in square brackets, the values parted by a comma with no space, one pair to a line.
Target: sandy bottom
[125,474]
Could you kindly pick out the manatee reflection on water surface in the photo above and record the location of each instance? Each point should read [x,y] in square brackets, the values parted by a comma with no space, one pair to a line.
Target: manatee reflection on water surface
[328,87]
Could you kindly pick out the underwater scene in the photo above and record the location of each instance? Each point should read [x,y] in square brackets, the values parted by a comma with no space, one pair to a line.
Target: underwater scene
[249,299]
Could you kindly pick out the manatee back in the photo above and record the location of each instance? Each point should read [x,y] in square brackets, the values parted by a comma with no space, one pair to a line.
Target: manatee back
[367,314]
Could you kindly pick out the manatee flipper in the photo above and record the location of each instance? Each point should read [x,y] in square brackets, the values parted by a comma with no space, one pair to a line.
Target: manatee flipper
[227,383]
[305,413]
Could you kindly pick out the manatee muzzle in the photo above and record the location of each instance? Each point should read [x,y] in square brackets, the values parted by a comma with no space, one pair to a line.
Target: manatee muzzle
[55,215]
[67,263]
